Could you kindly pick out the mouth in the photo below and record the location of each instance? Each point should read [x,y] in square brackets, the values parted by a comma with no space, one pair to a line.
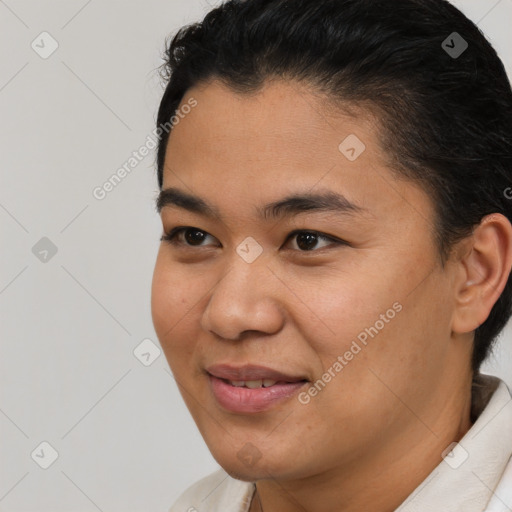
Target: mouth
[251,373]
[252,389]
[254,384]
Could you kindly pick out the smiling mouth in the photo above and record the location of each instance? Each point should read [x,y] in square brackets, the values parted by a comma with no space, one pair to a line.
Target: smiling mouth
[251,389]
[251,374]
[255,384]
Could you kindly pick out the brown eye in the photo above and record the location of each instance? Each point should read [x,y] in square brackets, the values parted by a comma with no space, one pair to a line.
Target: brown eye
[187,236]
[308,240]
[194,236]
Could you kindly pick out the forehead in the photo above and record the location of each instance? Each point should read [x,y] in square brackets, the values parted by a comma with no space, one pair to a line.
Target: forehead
[281,111]
[239,148]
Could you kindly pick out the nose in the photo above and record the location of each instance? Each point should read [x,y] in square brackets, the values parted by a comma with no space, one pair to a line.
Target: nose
[245,300]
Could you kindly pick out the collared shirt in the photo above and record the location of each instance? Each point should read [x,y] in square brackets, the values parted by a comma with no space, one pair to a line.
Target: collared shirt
[475,474]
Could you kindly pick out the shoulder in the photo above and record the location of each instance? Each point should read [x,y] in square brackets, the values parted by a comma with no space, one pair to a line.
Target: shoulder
[217,492]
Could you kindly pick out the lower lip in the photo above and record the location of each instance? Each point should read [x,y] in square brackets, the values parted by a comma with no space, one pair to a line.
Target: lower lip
[241,399]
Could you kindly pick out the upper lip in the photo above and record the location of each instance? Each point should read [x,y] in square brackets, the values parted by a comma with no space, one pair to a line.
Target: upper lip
[250,372]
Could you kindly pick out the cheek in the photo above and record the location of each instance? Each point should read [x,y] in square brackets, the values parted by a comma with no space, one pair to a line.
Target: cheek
[401,357]
[342,308]
[173,297]
[376,329]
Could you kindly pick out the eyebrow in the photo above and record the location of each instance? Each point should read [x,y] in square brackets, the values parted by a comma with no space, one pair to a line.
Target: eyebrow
[325,201]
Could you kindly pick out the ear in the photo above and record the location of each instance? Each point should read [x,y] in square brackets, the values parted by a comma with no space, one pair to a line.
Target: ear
[484,270]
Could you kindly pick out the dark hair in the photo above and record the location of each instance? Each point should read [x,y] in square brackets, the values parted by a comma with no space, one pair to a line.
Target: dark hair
[446,115]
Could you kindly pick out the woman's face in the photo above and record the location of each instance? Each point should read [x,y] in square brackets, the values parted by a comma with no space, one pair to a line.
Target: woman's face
[301,336]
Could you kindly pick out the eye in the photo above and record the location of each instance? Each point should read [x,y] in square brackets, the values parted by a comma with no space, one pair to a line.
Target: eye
[192,236]
[306,241]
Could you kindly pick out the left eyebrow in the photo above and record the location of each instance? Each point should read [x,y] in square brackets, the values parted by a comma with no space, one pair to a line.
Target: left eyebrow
[327,201]
[324,201]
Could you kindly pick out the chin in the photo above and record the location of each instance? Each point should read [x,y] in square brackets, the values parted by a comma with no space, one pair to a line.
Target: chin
[242,475]
[249,464]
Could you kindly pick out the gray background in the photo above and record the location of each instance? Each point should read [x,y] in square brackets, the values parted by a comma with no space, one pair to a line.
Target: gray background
[70,323]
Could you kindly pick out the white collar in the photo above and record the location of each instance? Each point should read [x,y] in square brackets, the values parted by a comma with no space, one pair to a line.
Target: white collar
[468,476]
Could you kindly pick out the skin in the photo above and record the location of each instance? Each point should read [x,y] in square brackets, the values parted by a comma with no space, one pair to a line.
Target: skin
[394,408]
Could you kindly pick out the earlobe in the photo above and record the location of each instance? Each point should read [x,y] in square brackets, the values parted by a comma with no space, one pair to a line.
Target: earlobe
[484,270]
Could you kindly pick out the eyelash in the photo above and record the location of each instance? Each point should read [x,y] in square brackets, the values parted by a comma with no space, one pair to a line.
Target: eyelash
[170,237]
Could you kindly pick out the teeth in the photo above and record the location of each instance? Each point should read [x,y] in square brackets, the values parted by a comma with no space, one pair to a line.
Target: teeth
[253,384]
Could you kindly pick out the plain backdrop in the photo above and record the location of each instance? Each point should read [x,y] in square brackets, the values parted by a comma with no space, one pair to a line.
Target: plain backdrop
[75,271]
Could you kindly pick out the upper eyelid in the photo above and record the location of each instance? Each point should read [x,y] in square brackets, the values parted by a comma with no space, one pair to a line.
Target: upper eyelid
[180,229]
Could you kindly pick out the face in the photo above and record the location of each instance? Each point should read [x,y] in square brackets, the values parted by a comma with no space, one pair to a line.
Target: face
[294,331]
